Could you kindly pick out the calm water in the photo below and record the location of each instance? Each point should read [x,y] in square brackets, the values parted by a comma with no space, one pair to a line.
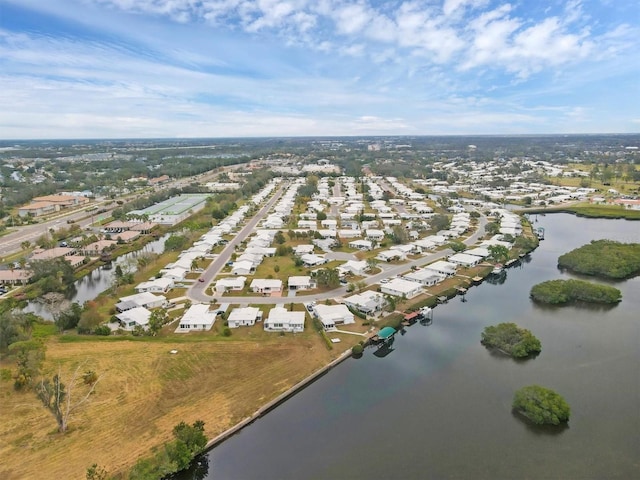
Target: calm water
[99,280]
[439,404]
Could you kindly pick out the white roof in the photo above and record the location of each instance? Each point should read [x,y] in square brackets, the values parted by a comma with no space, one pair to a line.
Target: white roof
[299,280]
[464,258]
[421,275]
[143,298]
[442,266]
[139,315]
[266,283]
[232,281]
[198,314]
[243,264]
[282,315]
[162,282]
[334,312]
[243,314]
[402,286]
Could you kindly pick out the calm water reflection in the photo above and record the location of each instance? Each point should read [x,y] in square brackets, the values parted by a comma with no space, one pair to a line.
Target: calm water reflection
[99,280]
[439,405]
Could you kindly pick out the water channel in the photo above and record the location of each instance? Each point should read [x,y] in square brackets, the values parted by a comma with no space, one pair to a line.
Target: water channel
[99,280]
[439,404]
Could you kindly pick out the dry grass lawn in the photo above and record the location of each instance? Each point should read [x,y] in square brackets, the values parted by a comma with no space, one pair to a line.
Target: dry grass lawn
[144,392]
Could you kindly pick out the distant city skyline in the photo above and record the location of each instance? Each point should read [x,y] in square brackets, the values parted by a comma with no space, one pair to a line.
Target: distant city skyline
[261,68]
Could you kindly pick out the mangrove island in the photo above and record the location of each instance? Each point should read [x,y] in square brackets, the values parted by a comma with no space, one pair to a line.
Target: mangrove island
[557,292]
[511,340]
[603,258]
[541,405]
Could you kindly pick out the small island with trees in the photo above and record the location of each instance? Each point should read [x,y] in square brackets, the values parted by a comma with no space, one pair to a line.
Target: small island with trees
[511,340]
[603,258]
[541,406]
[558,292]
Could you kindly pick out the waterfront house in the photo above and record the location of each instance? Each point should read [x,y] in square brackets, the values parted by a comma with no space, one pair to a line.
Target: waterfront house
[424,277]
[399,287]
[441,267]
[332,315]
[368,302]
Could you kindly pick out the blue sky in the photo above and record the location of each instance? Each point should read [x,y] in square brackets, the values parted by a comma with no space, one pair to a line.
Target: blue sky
[237,68]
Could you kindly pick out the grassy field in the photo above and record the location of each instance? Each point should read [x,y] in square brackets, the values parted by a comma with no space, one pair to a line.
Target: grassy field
[144,392]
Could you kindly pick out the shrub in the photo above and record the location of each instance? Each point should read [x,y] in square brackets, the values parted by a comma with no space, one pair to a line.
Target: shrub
[102,330]
[357,350]
[226,332]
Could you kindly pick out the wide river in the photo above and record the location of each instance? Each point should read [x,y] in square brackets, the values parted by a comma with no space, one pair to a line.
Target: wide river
[439,404]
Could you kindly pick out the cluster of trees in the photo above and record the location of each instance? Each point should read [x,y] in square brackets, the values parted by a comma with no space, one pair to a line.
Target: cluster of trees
[604,258]
[541,405]
[189,441]
[511,339]
[176,243]
[557,292]
[55,275]
[327,278]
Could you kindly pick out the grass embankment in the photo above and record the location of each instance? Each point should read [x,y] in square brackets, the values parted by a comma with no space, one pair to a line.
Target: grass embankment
[144,392]
[591,211]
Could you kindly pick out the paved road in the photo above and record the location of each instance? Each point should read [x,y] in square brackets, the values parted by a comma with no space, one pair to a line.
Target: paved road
[10,243]
[340,292]
[197,291]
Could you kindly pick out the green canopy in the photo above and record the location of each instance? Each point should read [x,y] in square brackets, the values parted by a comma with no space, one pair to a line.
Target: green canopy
[386,332]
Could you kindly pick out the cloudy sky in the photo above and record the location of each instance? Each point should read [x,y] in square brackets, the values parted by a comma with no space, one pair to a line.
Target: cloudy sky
[235,68]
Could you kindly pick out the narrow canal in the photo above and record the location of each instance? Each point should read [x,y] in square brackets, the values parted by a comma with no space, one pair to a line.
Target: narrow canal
[99,280]
[439,404]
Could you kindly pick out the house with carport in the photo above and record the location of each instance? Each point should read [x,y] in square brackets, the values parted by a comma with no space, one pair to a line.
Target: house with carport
[363,245]
[282,320]
[447,269]
[424,277]
[157,285]
[399,287]
[244,317]
[197,318]
[312,260]
[464,260]
[332,315]
[134,317]
[266,286]
[244,267]
[228,284]
[301,282]
[391,255]
[354,267]
[368,302]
